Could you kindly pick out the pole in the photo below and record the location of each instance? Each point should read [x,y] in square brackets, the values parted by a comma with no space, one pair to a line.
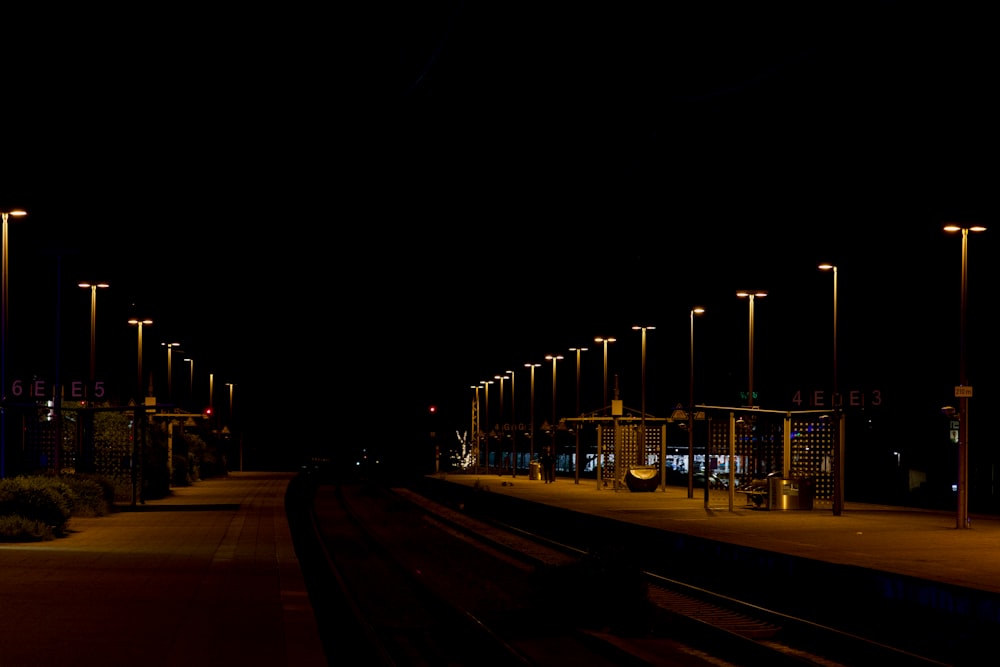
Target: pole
[838,495]
[531,418]
[750,377]
[552,452]
[578,350]
[93,337]
[487,384]
[500,426]
[513,432]
[962,517]
[641,449]
[694,311]
[642,431]
[531,432]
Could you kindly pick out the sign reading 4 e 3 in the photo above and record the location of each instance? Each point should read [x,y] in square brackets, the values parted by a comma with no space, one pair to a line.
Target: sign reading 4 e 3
[38,389]
[852,399]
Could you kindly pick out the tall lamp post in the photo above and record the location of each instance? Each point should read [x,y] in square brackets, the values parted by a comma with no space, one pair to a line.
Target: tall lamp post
[170,369]
[605,341]
[190,380]
[751,295]
[513,431]
[697,310]
[531,432]
[231,421]
[554,358]
[140,424]
[140,323]
[17,213]
[502,378]
[963,391]
[838,467]
[486,411]
[641,449]
[93,287]
[475,422]
[578,350]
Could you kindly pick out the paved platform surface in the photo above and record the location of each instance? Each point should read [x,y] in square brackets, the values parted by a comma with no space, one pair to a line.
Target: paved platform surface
[208,576]
[917,543]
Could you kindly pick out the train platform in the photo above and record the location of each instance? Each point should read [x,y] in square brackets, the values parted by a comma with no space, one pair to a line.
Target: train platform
[924,546]
[206,576]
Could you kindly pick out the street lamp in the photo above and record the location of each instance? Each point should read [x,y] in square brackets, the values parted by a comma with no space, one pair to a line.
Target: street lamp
[190,380]
[487,383]
[513,432]
[697,310]
[531,435]
[231,422]
[599,339]
[963,391]
[139,425]
[170,368]
[93,287]
[744,294]
[139,323]
[641,453]
[230,385]
[578,350]
[554,358]
[838,467]
[502,378]
[17,213]
[475,422]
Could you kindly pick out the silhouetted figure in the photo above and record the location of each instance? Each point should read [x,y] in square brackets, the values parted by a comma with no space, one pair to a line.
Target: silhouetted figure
[548,463]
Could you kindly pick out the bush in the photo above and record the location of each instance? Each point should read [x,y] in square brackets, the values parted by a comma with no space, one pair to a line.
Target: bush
[15,528]
[47,500]
[91,495]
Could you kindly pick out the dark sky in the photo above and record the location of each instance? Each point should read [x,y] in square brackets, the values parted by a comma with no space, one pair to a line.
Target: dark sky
[358,216]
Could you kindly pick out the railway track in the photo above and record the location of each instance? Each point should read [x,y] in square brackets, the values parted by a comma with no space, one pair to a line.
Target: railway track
[418,583]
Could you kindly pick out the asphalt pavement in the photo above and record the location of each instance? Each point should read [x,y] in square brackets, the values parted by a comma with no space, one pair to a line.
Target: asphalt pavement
[206,576]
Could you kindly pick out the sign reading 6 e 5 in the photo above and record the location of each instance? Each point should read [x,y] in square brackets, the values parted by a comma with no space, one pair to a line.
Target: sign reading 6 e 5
[38,389]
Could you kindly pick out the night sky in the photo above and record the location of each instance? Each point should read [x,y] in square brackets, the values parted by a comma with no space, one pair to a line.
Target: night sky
[358,217]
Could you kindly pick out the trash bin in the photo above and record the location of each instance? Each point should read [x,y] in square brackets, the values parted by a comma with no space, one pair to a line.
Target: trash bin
[534,470]
[790,493]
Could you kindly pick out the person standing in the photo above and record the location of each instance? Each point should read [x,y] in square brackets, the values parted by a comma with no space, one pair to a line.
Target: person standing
[548,466]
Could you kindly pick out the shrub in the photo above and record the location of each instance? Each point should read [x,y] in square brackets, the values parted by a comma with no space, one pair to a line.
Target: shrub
[47,500]
[91,495]
[15,528]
